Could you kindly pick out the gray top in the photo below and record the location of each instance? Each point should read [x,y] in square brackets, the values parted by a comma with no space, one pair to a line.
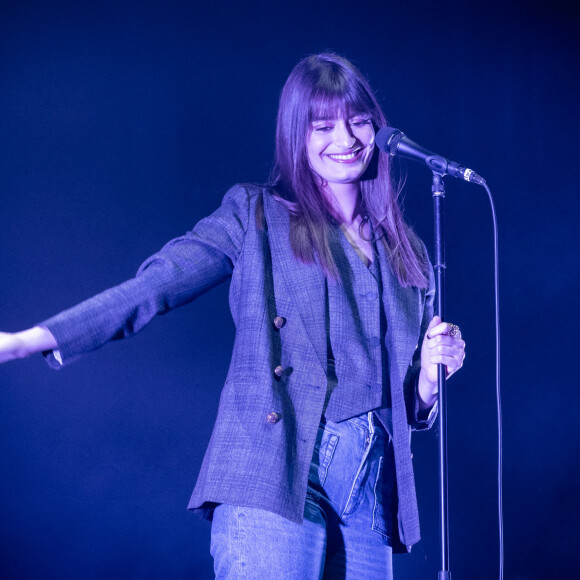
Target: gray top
[357,357]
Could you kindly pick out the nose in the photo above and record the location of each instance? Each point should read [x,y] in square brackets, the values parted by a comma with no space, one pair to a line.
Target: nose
[344,135]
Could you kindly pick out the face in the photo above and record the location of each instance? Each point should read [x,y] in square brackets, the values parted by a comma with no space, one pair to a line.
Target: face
[340,150]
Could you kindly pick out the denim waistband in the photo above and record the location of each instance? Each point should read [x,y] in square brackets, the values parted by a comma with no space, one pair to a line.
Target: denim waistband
[367,421]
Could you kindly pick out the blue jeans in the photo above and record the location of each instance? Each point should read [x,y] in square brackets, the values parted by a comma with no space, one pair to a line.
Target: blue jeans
[348,516]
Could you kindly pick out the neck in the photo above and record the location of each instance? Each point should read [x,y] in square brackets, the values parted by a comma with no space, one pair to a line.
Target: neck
[344,199]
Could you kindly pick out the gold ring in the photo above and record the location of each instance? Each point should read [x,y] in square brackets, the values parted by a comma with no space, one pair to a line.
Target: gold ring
[453,330]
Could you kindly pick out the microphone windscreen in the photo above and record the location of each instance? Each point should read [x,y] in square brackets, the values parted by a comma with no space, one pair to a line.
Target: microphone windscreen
[387,139]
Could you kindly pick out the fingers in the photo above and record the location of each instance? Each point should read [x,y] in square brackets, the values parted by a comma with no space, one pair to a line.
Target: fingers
[446,340]
[441,347]
[437,327]
[435,323]
[453,363]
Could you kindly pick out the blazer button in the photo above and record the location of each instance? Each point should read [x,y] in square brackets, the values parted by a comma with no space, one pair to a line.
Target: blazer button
[272,418]
[279,321]
[279,370]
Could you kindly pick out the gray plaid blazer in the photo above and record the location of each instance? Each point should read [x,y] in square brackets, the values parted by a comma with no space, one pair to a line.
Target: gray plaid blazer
[260,450]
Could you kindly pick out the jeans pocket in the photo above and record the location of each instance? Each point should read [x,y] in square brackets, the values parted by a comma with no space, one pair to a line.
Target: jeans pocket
[384,510]
[324,448]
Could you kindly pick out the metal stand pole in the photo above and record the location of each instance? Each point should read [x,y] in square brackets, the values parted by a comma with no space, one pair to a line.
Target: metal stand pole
[438,190]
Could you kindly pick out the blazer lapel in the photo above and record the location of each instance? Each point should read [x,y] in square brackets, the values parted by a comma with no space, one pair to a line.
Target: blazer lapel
[403,311]
[303,282]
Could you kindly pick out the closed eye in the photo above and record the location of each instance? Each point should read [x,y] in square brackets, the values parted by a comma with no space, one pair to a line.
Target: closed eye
[322,128]
[359,122]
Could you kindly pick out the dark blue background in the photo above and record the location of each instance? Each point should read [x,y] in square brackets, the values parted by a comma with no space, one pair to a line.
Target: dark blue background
[124,123]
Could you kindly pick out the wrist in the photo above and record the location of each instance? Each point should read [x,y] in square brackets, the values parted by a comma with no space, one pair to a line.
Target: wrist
[426,391]
[33,340]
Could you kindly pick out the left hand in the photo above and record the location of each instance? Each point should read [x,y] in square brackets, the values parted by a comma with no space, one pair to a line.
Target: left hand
[439,347]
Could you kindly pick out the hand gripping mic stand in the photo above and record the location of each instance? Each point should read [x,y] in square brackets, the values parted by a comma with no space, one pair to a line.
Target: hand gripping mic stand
[438,191]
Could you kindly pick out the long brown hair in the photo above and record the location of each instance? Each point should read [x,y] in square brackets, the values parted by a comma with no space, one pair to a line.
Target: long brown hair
[328,86]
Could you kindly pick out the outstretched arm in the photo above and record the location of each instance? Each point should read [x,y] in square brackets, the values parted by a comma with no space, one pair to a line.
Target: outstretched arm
[23,344]
[182,270]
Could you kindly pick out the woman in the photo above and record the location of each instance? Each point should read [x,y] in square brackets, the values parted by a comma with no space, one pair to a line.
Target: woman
[308,471]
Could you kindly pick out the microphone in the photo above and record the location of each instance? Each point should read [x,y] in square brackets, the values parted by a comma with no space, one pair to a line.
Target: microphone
[395,142]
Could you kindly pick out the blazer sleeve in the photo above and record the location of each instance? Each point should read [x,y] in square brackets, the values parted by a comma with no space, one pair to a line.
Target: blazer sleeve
[182,270]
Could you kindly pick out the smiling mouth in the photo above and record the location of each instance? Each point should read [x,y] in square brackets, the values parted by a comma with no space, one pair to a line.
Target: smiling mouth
[345,157]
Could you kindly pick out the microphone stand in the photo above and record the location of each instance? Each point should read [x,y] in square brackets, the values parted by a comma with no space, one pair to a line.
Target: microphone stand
[438,191]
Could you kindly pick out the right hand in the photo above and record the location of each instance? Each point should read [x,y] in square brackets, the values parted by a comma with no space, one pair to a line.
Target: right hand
[23,344]
[11,347]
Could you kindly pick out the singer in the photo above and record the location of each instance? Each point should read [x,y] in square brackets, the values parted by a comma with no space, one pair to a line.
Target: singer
[308,472]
